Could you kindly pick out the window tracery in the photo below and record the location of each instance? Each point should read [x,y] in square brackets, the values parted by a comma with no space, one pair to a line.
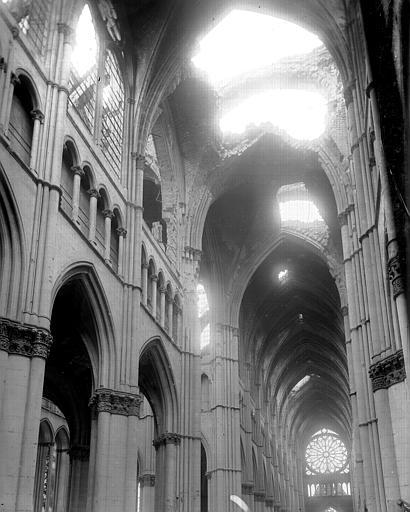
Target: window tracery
[327,465]
[326,453]
[32,17]
[97,88]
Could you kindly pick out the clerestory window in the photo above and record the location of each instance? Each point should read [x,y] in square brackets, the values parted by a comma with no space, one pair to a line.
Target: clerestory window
[33,20]
[97,89]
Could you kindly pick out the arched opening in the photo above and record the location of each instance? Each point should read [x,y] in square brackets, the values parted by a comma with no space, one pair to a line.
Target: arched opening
[102,210]
[156,383]
[21,123]
[205,392]
[84,200]
[67,177]
[204,480]
[114,239]
[69,383]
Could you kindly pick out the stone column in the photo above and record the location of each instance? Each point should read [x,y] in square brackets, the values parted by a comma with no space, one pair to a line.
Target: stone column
[167,443]
[108,216]
[23,350]
[226,472]
[162,292]
[144,284]
[78,174]
[169,305]
[38,118]
[14,80]
[153,284]
[113,469]
[147,498]
[79,466]
[94,195]
[122,233]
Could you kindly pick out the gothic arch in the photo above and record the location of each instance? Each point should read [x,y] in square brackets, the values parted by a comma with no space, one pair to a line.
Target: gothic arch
[157,383]
[102,353]
[12,252]
[242,281]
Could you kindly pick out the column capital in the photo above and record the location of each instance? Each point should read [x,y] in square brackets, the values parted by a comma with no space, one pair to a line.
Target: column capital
[108,213]
[140,160]
[65,29]
[37,115]
[247,488]
[115,402]
[166,438]
[14,79]
[145,265]
[24,340]
[394,270]
[94,192]
[77,169]
[162,289]
[344,310]
[154,277]
[147,480]
[388,371]
[122,232]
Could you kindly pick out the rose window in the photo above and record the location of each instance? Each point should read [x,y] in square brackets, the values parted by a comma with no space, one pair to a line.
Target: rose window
[326,453]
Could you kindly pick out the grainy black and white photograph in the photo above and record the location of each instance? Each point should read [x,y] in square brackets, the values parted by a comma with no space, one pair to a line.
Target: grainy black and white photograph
[204,229]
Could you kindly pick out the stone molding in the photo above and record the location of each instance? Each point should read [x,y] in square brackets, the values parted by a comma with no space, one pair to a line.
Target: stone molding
[388,371]
[147,480]
[259,496]
[115,402]
[395,275]
[79,452]
[166,438]
[23,340]
[247,488]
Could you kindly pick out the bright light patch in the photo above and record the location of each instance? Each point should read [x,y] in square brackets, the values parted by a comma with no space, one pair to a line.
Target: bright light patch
[283,275]
[301,383]
[84,55]
[205,336]
[299,211]
[246,40]
[302,114]
[203,306]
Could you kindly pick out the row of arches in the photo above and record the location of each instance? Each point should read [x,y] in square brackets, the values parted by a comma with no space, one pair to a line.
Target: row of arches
[89,207]
[100,104]
[159,297]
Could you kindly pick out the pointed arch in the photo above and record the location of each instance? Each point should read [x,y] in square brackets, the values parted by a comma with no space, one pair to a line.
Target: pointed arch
[157,383]
[102,353]
[12,252]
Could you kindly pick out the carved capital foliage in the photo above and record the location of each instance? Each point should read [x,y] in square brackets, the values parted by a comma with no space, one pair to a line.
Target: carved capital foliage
[345,310]
[24,340]
[79,452]
[108,213]
[387,372]
[247,488]
[94,193]
[76,169]
[395,275]
[147,480]
[166,438]
[37,115]
[115,402]
[259,496]
[122,232]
